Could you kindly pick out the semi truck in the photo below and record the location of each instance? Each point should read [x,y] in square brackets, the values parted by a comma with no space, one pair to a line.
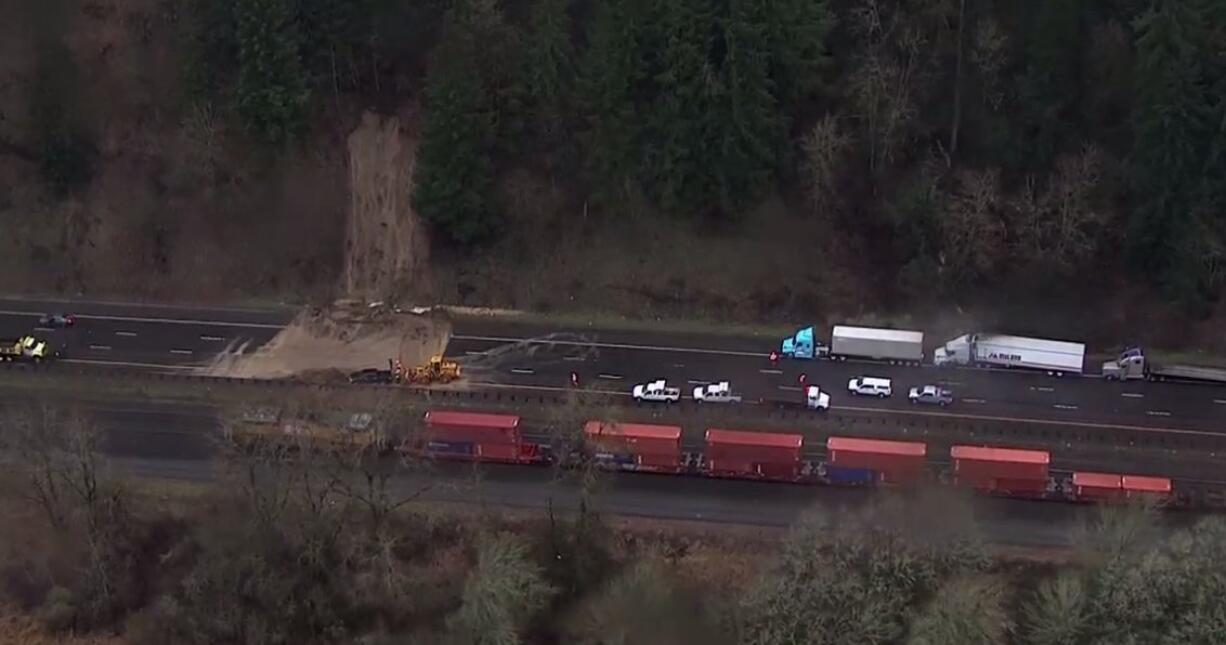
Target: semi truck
[1055,357]
[1132,365]
[872,343]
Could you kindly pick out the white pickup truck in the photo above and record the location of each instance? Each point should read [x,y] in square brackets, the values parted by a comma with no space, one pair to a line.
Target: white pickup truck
[656,392]
[716,393]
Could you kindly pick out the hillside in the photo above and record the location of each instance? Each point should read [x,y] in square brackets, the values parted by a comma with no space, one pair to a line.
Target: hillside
[737,160]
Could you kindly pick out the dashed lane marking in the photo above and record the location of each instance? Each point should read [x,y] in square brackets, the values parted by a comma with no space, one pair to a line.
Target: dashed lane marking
[575,343]
[100,348]
[1220,401]
[1061,406]
[472,353]
[610,377]
[161,321]
[1044,389]
[1158,413]
[574,359]
[185,352]
[770,371]
[973,401]
[1132,395]
[522,370]
[125,333]
[789,388]
[211,339]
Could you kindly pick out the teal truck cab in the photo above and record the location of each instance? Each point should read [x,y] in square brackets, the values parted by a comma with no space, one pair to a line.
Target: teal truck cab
[802,345]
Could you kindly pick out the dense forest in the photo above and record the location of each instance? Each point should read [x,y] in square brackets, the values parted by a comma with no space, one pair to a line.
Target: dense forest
[288,545]
[926,149]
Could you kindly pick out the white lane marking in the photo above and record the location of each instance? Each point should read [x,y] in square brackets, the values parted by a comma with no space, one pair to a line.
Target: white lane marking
[472,353]
[125,333]
[160,321]
[41,328]
[210,338]
[678,365]
[575,343]
[574,359]
[1132,395]
[789,388]
[1220,401]
[974,401]
[1044,389]
[949,382]
[1061,406]
[159,366]
[693,382]
[101,348]
[522,370]
[181,351]
[1158,413]
[770,371]
[610,377]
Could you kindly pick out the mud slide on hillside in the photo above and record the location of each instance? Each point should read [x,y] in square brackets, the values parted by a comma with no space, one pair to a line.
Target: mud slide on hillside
[330,343]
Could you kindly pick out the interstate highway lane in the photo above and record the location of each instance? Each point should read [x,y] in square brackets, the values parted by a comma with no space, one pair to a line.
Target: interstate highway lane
[614,364]
[143,336]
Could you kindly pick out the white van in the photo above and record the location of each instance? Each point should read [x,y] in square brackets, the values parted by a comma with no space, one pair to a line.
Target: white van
[871,386]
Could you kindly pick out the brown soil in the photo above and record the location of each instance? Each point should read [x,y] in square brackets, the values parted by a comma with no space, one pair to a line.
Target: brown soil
[345,337]
[386,249]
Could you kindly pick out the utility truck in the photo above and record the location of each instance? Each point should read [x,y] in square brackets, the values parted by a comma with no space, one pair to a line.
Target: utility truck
[657,391]
[1132,365]
[1056,357]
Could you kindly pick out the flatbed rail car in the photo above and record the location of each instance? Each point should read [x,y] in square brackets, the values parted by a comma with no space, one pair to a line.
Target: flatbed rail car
[782,457]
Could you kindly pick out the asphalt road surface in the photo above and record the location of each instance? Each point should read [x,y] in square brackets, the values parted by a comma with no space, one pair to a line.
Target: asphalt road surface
[502,352]
[534,355]
[143,336]
[180,442]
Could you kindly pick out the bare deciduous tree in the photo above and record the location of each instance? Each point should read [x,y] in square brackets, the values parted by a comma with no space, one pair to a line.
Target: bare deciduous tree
[502,594]
[972,229]
[964,610]
[989,55]
[823,147]
[1060,222]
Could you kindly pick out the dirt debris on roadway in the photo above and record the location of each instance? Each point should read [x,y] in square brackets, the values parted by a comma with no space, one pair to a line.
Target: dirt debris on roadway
[329,343]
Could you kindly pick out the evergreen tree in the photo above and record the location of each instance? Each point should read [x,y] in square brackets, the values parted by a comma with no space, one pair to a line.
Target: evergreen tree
[750,126]
[798,31]
[272,93]
[1171,126]
[681,120]
[548,72]
[613,77]
[454,177]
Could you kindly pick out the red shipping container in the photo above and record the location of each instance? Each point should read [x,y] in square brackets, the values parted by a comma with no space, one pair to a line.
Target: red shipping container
[652,446]
[896,461]
[475,427]
[765,454]
[981,467]
[1134,485]
[1097,485]
[499,452]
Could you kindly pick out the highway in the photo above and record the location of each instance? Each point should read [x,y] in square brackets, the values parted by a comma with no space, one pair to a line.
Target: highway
[143,336]
[505,352]
[180,442]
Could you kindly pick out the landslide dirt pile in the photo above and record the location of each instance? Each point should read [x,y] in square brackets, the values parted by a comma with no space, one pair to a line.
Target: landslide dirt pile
[338,340]
[385,247]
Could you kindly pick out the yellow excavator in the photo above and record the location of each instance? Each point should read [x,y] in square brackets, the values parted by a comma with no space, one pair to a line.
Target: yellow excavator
[436,370]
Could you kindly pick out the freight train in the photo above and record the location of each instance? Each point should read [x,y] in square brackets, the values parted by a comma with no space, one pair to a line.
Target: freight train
[782,457]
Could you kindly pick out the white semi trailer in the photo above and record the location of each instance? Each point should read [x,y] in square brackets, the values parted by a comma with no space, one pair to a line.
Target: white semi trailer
[890,345]
[1055,357]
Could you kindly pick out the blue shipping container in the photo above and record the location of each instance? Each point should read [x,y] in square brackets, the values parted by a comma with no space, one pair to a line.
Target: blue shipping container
[850,476]
[450,447]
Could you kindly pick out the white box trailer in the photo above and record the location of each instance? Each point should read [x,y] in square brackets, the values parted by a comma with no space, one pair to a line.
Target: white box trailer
[891,345]
[998,350]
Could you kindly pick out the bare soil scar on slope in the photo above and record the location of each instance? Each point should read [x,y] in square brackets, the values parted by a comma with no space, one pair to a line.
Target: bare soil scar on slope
[330,343]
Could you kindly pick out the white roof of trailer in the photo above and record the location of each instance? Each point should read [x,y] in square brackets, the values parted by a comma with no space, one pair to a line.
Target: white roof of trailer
[1033,344]
[877,333]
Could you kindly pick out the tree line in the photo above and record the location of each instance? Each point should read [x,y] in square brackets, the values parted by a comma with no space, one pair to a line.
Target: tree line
[962,142]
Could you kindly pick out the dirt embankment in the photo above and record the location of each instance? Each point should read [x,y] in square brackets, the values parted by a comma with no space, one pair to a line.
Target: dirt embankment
[338,340]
